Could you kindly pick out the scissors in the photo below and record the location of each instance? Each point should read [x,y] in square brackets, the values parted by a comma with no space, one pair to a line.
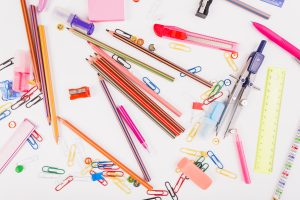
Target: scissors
[238,97]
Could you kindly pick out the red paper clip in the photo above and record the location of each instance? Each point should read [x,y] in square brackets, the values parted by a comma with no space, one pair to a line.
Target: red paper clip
[37,136]
[65,182]
[102,181]
[179,183]
[113,173]
[77,93]
[158,192]
[211,99]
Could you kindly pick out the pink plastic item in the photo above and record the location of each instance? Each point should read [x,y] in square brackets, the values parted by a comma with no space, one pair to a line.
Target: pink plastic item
[42,5]
[242,158]
[22,71]
[106,10]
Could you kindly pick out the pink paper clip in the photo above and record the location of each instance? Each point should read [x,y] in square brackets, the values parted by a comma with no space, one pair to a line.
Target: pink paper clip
[22,71]
[113,173]
[65,182]
[42,5]
[158,192]
[37,136]
[179,183]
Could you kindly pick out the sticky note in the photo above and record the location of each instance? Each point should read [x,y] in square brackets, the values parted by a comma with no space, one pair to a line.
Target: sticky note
[106,10]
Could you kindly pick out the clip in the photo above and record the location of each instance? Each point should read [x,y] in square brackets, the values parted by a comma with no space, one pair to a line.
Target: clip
[5,106]
[203,8]
[121,184]
[151,85]
[157,192]
[37,136]
[200,163]
[179,183]
[229,58]
[22,71]
[193,132]
[193,70]
[52,170]
[24,98]
[113,173]
[77,93]
[65,182]
[32,143]
[171,190]
[193,152]
[5,114]
[123,33]
[7,92]
[154,198]
[101,181]
[211,99]
[97,176]
[217,88]
[7,63]
[226,173]
[215,160]
[34,101]
[179,47]
[121,61]
[71,155]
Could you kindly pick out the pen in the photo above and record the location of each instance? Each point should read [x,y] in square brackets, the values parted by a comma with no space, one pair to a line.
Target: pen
[242,158]
[132,126]
[278,40]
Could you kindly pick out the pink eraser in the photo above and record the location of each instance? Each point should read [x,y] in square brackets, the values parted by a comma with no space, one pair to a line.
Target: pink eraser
[22,71]
[106,10]
[194,173]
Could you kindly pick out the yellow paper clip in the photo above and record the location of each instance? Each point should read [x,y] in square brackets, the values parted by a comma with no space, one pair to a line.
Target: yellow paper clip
[226,173]
[31,82]
[120,183]
[5,106]
[193,132]
[179,47]
[71,156]
[230,61]
[86,169]
[193,152]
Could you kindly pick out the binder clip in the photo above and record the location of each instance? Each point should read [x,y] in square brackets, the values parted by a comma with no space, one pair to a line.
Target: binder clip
[22,71]
[7,92]
[82,92]
[203,8]
[7,63]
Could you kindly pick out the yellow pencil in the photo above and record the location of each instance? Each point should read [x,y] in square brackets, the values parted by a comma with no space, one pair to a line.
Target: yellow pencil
[48,82]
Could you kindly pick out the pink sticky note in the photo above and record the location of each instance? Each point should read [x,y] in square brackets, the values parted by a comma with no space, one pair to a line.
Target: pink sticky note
[106,10]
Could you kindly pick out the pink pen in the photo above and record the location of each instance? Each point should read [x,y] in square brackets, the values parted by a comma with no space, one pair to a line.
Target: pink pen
[132,126]
[242,158]
[278,39]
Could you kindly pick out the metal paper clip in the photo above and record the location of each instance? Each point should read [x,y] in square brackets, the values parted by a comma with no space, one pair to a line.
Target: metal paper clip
[121,61]
[211,99]
[157,192]
[193,132]
[217,88]
[5,114]
[200,163]
[8,93]
[65,182]
[24,98]
[179,183]
[37,136]
[193,70]
[32,143]
[179,47]
[71,155]
[215,160]
[154,198]
[34,101]
[193,152]
[101,181]
[171,190]
[113,173]
[52,170]
[230,61]
[123,33]
[151,85]
[86,169]
[121,184]
[226,173]
[7,63]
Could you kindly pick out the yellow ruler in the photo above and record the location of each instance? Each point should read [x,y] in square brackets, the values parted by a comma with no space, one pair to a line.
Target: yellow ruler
[269,120]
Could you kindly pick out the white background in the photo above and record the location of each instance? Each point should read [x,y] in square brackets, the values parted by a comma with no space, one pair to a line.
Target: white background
[94,116]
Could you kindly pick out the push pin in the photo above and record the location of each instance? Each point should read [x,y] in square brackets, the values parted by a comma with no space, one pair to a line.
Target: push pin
[204,8]
[7,63]
[82,92]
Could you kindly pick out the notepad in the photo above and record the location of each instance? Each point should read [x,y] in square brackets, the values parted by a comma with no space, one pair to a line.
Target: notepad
[106,10]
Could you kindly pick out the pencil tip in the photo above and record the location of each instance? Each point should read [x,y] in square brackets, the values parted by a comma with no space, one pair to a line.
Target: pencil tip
[107,30]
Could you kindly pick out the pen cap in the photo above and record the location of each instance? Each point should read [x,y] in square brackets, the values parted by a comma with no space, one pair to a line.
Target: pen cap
[63,14]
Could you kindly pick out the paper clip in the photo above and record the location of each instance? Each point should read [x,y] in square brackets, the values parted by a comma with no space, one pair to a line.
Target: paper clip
[200,163]
[5,106]
[34,101]
[215,160]
[86,169]
[65,182]
[121,61]
[171,190]
[37,136]
[230,61]
[121,184]
[151,85]
[154,198]
[193,132]
[157,192]
[97,176]
[217,88]
[24,98]
[193,152]
[101,181]
[211,99]
[77,93]
[179,47]
[193,70]
[123,33]
[7,63]
[71,155]
[226,173]
[179,182]
[5,114]
[32,143]
[52,170]
[113,173]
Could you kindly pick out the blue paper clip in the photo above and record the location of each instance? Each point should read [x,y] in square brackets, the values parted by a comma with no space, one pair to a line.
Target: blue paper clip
[7,63]
[121,61]
[5,114]
[32,143]
[151,85]
[193,70]
[7,92]
[214,158]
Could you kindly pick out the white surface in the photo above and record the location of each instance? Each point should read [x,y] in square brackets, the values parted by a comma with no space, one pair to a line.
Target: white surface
[95,117]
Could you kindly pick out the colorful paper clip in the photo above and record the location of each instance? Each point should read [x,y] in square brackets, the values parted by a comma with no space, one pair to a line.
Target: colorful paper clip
[65,182]
[7,63]
[34,100]
[37,136]
[97,176]
[200,164]
[7,92]
[4,114]
[213,98]
[151,85]
[121,184]
[71,155]
[157,192]
[52,170]
[77,93]
[193,70]
[230,61]
[193,152]
[24,98]
[215,160]
[179,47]
[121,61]
[33,143]
[5,106]
[113,173]
[179,183]
[171,190]
[193,132]
[226,173]
[22,71]
[101,181]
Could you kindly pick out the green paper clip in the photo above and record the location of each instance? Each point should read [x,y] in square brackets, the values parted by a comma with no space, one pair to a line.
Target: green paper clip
[52,170]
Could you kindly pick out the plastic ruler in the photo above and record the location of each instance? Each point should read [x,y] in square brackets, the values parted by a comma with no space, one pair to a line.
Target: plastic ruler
[269,120]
